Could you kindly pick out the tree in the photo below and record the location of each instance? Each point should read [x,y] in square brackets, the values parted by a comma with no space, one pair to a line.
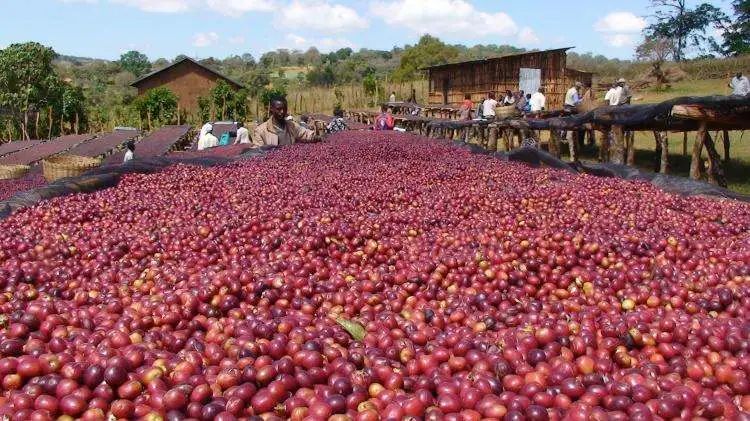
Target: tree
[135,62]
[429,51]
[28,81]
[686,26]
[656,51]
[158,106]
[221,96]
[737,33]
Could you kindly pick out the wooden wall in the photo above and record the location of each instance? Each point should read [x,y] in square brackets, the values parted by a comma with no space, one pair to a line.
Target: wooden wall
[187,80]
[501,74]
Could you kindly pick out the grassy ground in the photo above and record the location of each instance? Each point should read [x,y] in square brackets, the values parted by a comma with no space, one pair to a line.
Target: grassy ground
[738,168]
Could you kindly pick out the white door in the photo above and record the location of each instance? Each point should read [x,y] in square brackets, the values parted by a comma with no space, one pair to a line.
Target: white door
[530,80]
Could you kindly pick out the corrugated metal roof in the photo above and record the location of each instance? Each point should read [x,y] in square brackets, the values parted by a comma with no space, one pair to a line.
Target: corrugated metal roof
[484,60]
[190,60]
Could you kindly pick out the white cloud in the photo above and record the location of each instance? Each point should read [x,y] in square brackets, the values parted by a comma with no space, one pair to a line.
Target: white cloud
[238,40]
[159,6]
[205,39]
[80,1]
[620,40]
[240,7]
[320,15]
[527,36]
[324,45]
[620,23]
[619,29]
[443,17]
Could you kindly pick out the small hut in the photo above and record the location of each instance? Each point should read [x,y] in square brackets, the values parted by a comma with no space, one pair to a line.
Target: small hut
[525,71]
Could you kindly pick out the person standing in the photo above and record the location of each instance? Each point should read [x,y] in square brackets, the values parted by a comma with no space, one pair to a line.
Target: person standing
[573,97]
[538,101]
[413,98]
[488,107]
[278,130]
[208,140]
[129,151]
[740,85]
[392,98]
[522,101]
[243,134]
[466,108]
[625,95]
[613,95]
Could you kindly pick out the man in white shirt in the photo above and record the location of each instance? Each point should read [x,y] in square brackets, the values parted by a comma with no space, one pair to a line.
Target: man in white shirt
[392,98]
[538,101]
[243,134]
[740,85]
[488,106]
[208,140]
[573,96]
[613,95]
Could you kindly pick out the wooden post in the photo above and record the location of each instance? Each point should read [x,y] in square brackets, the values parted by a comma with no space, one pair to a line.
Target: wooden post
[573,145]
[554,142]
[726,146]
[630,139]
[492,142]
[684,143]
[604,148]
[664,168]
[49,120]
[506,140]
[617,153]
[715,169]
[657,142]
[695,161]
[662,151]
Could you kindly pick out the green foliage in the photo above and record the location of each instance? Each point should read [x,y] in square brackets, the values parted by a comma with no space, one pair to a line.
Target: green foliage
[256,81]
[29,84]
[135,62]
[204,108]
[158,106]
[221,96]
[429,51]
[269,94]
[370,84]
[737,33]
[685,26]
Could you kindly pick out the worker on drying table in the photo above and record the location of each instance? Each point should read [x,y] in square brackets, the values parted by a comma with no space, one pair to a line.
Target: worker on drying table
[280,131]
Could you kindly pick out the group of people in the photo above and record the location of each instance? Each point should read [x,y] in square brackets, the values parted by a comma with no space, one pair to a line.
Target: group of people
[206,138]
[487,108]
[618,93]
[279,130]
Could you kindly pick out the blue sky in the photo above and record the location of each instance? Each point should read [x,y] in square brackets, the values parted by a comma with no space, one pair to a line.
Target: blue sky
[219,28]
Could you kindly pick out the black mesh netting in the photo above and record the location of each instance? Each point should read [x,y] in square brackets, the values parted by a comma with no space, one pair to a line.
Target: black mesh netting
[645,116]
